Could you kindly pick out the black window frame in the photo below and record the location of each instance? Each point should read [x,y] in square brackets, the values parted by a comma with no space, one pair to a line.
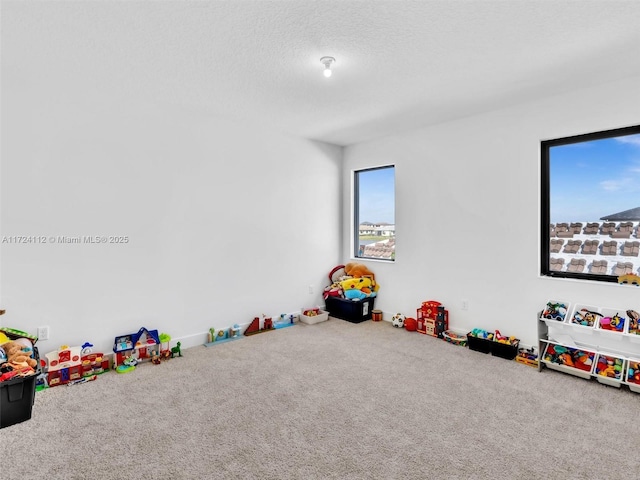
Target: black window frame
[545,237]
[356,210]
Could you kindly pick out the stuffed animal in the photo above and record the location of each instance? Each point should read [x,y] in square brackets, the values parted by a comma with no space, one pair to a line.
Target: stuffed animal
[354,294]
[358,270]
[337,274]
[333,290]
[17,357]
[362,285]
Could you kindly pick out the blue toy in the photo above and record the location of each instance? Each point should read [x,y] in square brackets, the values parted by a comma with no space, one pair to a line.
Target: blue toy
[354,294]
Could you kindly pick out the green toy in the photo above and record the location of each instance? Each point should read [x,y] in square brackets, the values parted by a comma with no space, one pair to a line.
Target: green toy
[176,350]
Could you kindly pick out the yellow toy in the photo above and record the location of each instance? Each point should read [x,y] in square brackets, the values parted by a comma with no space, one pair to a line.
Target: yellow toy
[358,270]
[364,284]
[629,279]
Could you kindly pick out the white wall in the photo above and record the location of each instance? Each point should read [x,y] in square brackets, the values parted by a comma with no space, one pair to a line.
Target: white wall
[225,221]
[467,211]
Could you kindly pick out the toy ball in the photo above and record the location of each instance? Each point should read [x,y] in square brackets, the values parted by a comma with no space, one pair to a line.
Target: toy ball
[398,320]
[410,324]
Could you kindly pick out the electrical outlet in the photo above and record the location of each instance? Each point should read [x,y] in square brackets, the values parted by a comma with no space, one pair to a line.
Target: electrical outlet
[465,305]
[310,289]
[43,333]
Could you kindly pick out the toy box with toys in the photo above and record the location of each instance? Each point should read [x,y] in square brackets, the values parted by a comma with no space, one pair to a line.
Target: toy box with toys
[351,293]
[19,367]
[480,340]
[311,316]
[504,347]
[354,311]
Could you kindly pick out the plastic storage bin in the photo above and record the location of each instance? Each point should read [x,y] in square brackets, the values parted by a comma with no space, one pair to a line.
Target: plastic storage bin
[311,319]
[479,344]
[569,360]
[452,337]
[17,396]
[633,375]
[609,369]
[354,311]
[585,317]
[555,312]
[613,323]
[505,350]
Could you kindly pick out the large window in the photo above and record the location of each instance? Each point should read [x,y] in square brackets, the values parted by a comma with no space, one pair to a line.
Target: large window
[374,213]
[591,205]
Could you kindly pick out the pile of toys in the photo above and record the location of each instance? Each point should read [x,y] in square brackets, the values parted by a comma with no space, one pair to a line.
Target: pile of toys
[353,281]
[585,317]
[610,367]
[528,356]
[569,357]
[19,369]
[555,311]
[633,373]
[455,338]
[18,354]
[493,342]
[480,333]
[614,323]
[506,340]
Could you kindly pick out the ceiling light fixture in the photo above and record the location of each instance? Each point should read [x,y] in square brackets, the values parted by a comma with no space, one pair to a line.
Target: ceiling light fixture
[327,62]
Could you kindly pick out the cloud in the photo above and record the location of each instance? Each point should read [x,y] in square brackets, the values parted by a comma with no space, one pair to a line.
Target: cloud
[613,185]
[630,139]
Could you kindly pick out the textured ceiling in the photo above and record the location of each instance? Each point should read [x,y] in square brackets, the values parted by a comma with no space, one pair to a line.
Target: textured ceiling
[400,64]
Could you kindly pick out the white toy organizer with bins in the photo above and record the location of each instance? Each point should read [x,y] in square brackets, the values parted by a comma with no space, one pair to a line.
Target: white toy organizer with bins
[590,341]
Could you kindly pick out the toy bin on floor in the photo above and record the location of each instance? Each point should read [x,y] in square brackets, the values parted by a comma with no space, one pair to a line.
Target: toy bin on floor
[480,340]
[17,396]
[610,369]
[320,316]
[354,311]
[570,360]
[633,375]
[454,338]
[505,350]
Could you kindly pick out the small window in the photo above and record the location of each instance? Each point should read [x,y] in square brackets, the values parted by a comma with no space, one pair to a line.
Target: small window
[374,213]
[591,205]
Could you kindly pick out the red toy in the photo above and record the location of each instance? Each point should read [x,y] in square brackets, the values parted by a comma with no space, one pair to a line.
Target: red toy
[410,324]
[254,326]
[633,375]
[432,319]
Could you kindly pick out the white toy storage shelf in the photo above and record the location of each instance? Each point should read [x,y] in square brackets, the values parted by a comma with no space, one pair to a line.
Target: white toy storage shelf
[583,341]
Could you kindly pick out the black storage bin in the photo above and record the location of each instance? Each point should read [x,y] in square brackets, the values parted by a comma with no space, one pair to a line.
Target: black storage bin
[17,396]
[505,350]
[354,311]
[479,344]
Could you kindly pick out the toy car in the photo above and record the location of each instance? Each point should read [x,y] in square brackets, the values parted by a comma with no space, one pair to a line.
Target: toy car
[555,311]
